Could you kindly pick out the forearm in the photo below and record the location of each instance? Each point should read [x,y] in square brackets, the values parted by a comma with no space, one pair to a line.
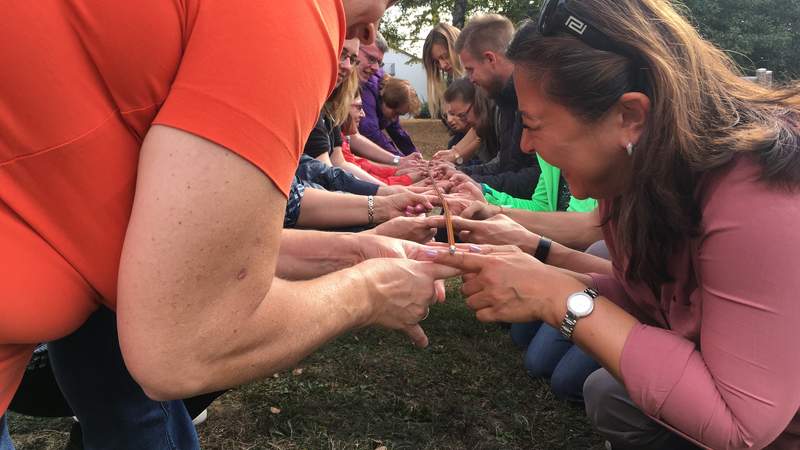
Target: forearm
[324,210]
[577,261]
[574,230]
[361,174]
[240,344]
[368,149]
[306,254]
[468,145]
[602,334]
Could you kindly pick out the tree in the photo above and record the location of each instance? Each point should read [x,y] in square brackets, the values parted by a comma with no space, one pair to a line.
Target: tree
[756,33]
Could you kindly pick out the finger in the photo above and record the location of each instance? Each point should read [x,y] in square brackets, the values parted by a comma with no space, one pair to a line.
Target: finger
[486,315]
[437,221]
[471,287]
[479,301]
[438,271]
[439,291]
[467,277]
[471,211]
[461,223]
[467,262]
[417,335]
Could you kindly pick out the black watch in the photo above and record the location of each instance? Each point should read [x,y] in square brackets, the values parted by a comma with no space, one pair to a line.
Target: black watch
[543,249]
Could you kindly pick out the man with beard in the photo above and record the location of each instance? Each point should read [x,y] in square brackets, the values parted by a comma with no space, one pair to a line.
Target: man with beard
[481,47]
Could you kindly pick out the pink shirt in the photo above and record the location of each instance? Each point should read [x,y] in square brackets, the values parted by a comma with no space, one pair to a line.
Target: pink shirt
[717,355]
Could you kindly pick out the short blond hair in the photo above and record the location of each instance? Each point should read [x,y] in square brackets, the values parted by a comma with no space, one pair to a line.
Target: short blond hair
[487,32]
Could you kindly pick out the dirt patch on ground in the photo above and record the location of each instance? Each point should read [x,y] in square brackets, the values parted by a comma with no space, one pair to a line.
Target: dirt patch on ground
[428,135]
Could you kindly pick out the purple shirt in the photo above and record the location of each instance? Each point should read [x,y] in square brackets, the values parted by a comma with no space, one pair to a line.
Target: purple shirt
[717,355]
[373,123]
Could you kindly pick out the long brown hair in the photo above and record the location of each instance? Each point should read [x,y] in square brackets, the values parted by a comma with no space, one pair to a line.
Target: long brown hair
[703,114]
[445,35]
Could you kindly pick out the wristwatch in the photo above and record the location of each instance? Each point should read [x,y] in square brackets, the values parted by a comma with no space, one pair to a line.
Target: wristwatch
[459,160]
[579,305]
[396,160]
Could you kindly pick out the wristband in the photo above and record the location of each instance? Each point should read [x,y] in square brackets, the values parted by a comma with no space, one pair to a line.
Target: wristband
[543,249]
[370,209]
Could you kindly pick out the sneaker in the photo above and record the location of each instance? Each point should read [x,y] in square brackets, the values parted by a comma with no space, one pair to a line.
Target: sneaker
[200,418]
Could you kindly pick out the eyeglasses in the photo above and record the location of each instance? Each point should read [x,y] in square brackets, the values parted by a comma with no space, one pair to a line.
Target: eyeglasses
[371,60]
[347,56]
[555,16]
[462,115]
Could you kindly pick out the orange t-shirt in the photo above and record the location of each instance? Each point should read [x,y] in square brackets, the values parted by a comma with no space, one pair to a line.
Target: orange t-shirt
[84,81]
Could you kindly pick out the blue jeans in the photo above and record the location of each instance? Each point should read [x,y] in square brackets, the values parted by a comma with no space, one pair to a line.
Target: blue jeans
[112,409]
[5,439]
[550,355]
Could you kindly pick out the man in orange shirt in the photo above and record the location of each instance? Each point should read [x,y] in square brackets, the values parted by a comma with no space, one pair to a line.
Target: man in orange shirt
[146,149]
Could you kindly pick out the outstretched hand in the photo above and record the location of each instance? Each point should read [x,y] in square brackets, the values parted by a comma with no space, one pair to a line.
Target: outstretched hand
[402,292]
[507,286]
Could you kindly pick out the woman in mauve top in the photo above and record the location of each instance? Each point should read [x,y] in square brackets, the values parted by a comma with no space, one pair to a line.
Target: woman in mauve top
[697,172]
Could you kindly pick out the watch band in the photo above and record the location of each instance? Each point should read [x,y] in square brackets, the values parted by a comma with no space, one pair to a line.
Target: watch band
[370,209]
[543,249]
[570,320]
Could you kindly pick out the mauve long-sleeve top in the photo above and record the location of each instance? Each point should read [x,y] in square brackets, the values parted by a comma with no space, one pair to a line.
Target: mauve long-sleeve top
[373,123]
[717,355]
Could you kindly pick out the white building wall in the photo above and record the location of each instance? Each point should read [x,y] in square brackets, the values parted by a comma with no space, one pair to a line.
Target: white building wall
[395,64]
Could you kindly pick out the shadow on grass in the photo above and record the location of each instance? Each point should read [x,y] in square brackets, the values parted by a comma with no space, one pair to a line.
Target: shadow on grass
[372,388]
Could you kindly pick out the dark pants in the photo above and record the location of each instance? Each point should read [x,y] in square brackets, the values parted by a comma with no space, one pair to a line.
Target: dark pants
[112,409]
[619,420]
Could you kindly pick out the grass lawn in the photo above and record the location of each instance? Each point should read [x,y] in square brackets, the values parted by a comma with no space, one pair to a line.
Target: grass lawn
[372,389]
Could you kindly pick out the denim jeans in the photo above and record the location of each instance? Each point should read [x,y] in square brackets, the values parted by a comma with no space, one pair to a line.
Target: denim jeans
[550,355]
[5,439]
[112,409]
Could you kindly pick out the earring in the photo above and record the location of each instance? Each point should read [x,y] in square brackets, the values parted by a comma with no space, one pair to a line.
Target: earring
[629,148]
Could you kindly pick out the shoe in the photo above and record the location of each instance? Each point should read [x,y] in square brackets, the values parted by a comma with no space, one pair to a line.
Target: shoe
[200,418]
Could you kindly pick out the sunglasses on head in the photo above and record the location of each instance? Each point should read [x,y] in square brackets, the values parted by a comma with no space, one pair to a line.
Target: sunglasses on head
[555,17]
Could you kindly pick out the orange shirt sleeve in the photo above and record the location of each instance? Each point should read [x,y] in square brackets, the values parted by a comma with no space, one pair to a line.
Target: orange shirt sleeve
[254,76]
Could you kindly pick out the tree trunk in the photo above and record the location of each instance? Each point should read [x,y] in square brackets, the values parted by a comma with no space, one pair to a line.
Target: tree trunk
[459,13]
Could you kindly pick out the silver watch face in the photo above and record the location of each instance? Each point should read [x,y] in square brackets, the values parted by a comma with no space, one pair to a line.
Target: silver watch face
[580,304]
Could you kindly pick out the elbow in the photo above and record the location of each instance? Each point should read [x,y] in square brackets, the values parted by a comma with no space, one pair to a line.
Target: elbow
[163,373]
[160,381]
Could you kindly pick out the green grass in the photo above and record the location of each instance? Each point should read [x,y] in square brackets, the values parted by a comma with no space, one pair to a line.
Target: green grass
[371,388]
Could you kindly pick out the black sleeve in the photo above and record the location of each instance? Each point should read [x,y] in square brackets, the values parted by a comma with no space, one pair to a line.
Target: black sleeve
[318,141]
[520,183]
[337,137]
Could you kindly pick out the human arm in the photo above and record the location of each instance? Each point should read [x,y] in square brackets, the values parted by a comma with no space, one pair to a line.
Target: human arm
[365,148]
[370,126]
[519,182]
[329,210]
[576,230]
[401,138]
[338,160]
[465,148]
[199,308]
[501,230]
[306,254]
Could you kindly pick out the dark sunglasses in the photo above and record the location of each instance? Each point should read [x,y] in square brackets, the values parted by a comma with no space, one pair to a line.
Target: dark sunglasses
[555,16]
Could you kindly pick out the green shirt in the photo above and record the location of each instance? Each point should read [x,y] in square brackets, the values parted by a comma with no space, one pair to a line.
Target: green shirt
[545,197]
